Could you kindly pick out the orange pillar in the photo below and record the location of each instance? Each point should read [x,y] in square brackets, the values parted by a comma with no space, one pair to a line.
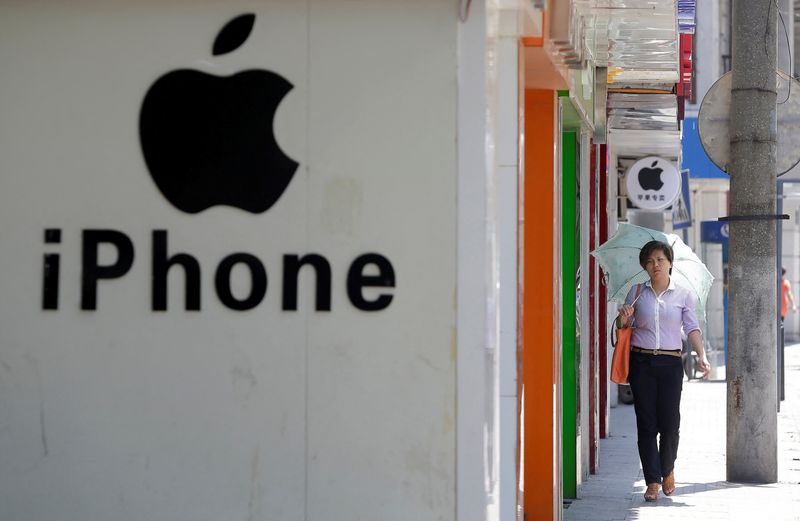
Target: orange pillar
[539,422]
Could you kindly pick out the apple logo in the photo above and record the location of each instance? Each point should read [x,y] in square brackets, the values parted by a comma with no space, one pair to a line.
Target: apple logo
[208,140]
[650,178]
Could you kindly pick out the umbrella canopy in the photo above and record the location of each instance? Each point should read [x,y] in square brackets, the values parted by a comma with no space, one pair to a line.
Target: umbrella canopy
[619,258]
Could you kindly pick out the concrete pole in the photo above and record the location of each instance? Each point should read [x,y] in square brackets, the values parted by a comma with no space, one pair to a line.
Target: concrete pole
[752,442]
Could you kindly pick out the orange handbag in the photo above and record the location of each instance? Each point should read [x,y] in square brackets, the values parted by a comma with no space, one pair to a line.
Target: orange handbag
[621,360]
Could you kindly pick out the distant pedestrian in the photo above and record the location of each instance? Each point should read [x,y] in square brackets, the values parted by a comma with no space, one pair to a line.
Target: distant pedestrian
[656,370]
[786,295]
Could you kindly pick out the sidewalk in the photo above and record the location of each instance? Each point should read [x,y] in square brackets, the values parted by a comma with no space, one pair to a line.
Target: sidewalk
[615,492]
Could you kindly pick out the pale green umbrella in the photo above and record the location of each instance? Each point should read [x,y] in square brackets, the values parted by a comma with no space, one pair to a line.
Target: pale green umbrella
[619,258]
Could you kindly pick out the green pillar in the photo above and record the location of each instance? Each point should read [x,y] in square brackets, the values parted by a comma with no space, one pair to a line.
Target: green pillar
[570,239]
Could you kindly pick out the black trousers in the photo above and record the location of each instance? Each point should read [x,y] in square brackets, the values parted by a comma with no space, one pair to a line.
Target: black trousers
[656,382]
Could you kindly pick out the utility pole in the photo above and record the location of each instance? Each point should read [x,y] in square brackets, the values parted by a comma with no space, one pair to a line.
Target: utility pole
[752,428]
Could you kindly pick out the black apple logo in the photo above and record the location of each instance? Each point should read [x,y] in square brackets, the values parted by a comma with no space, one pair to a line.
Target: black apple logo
[208,140]
[650,178]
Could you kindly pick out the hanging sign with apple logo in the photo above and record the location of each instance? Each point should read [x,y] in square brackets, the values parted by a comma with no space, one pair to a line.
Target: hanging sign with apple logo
[653,183]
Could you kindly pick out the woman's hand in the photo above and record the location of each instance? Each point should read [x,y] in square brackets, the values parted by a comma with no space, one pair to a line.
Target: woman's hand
[696,341]
[625,313]
[703,365]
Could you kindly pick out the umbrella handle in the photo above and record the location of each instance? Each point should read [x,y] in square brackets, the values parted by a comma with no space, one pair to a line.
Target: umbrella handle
[638,295]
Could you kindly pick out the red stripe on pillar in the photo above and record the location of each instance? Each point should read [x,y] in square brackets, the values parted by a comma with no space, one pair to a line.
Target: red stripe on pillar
[602,323]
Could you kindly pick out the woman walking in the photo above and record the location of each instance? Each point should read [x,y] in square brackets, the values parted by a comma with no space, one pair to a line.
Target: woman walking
[659,309]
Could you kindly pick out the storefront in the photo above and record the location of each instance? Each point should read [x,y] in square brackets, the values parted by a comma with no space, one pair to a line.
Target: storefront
[317,260]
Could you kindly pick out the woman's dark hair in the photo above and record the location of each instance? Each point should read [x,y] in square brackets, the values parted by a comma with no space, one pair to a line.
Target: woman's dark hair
[652,246]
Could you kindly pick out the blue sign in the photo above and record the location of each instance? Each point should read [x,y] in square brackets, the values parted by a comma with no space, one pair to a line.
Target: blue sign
[682,207]
[694,156]
[714,231]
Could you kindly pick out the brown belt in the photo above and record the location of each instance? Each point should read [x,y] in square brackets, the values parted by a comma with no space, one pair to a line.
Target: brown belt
[670,352]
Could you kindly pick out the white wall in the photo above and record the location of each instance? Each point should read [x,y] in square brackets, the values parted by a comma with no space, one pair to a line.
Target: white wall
[502,138]
[477,442]
[791,254]
[503,210]
[125,413]
[584,405]
[612,187]
[786,35]
[709,202]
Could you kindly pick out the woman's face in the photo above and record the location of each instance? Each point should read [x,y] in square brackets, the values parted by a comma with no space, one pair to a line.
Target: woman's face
[657,266]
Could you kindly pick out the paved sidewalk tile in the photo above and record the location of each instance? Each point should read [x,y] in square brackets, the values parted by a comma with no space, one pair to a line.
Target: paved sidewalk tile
[615,492]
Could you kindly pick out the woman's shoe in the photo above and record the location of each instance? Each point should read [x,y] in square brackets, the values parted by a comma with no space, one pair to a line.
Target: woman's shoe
[669,484]
[651,494]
